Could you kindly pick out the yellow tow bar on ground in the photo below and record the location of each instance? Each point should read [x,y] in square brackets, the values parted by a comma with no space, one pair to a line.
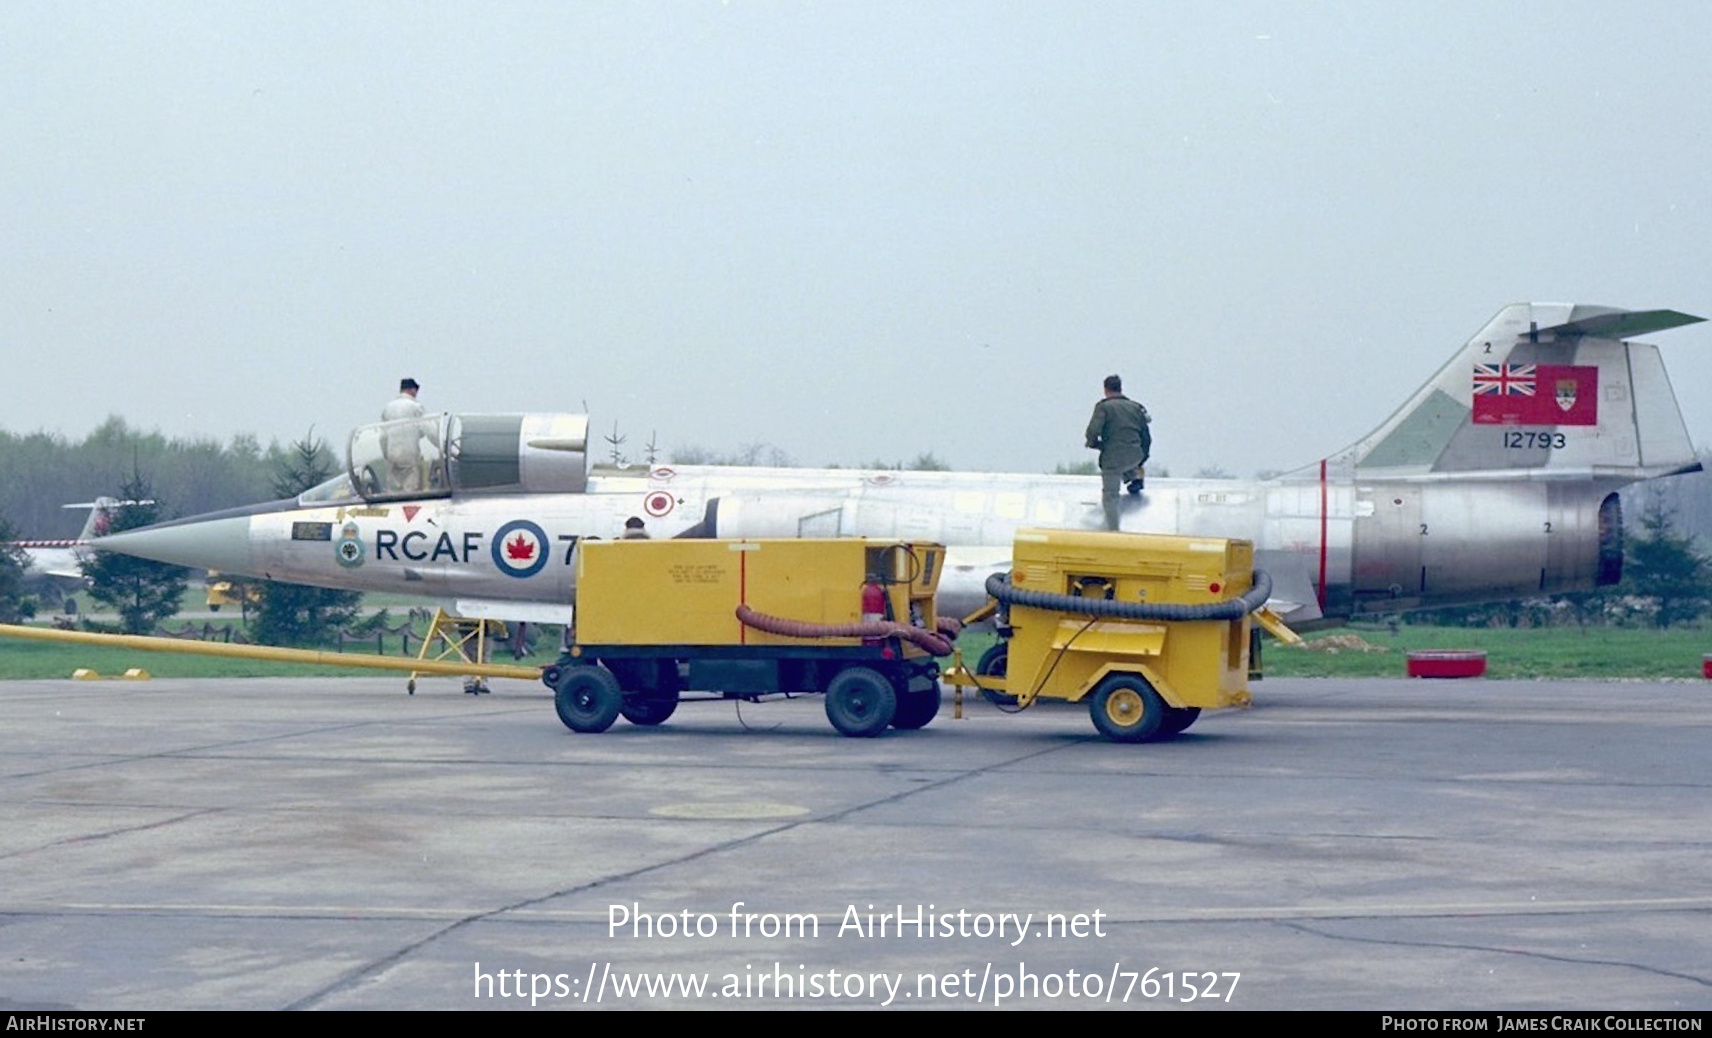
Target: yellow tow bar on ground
[313,657]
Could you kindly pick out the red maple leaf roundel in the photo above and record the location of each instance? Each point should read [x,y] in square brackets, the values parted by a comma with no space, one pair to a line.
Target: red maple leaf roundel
[520,548]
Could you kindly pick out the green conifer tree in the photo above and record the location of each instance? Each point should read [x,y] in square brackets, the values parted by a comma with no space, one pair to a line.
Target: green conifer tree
[142,592]
[1664,566]
[14,604]
[297,614]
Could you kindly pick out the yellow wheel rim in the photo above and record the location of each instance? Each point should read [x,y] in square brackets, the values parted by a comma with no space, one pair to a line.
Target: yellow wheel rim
[1124,707]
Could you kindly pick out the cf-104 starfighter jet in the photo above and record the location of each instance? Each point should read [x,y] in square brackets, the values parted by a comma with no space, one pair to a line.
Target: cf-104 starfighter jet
[1497,479]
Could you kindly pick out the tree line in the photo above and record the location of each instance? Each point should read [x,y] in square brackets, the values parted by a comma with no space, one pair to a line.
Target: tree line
[41,472]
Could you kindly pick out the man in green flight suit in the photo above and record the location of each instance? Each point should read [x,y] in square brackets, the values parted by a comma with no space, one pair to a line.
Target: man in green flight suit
[1119,432]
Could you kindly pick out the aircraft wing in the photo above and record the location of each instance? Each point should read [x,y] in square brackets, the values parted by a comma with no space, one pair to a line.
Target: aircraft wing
[73,571]
[52,559]
[1293,596]
[496,609]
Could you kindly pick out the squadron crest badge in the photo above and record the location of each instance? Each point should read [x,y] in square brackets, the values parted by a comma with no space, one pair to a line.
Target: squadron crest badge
[348,549]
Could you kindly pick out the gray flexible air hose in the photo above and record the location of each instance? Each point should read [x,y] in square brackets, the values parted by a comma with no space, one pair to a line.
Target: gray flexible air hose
[999,586]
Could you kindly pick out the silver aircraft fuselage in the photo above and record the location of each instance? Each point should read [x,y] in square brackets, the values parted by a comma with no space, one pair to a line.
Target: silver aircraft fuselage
[1371,546]
[1497,479]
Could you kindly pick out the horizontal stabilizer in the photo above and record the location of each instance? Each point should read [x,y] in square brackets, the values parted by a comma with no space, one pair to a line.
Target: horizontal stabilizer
[1622,324]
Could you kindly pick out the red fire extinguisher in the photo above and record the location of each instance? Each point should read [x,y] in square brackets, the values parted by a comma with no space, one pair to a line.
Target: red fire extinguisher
[873,604]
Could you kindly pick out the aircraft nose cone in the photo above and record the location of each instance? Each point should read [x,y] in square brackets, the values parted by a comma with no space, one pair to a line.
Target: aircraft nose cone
[219,544]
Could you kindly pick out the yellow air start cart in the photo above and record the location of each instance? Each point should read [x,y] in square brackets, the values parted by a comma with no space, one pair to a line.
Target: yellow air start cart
[739,619]
[1149,629]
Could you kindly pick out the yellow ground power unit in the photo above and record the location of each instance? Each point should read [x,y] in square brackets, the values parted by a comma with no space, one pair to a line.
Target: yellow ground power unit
[740,619]
[1150,629]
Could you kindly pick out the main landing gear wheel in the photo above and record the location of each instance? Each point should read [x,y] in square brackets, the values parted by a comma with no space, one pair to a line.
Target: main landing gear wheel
[649,708]
[1126,709]
[916,708]
[588,699]
[995,662]
[861,702]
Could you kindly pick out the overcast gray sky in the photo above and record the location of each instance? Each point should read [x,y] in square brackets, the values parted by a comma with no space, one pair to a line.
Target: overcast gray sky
[853,230]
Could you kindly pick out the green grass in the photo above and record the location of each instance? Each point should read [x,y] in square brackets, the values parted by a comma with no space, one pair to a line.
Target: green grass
[1548,652]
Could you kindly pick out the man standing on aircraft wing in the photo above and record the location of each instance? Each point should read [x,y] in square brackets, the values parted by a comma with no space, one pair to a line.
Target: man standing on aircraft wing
[401,444]
[1119,432]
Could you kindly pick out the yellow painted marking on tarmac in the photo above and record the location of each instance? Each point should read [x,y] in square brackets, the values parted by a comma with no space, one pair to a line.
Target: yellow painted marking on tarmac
[89,674]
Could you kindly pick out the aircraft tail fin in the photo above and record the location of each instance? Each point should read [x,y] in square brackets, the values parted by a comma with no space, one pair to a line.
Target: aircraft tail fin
[1548,388]
[100,516]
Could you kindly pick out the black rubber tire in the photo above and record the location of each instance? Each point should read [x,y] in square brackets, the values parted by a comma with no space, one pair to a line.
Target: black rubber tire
[1177,719]
[916,709]
[861,702]
[649,708]
[995,662]
[1126,709]
[588,699]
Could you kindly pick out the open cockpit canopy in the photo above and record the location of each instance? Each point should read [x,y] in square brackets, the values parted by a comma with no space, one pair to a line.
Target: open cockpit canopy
[442,455]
